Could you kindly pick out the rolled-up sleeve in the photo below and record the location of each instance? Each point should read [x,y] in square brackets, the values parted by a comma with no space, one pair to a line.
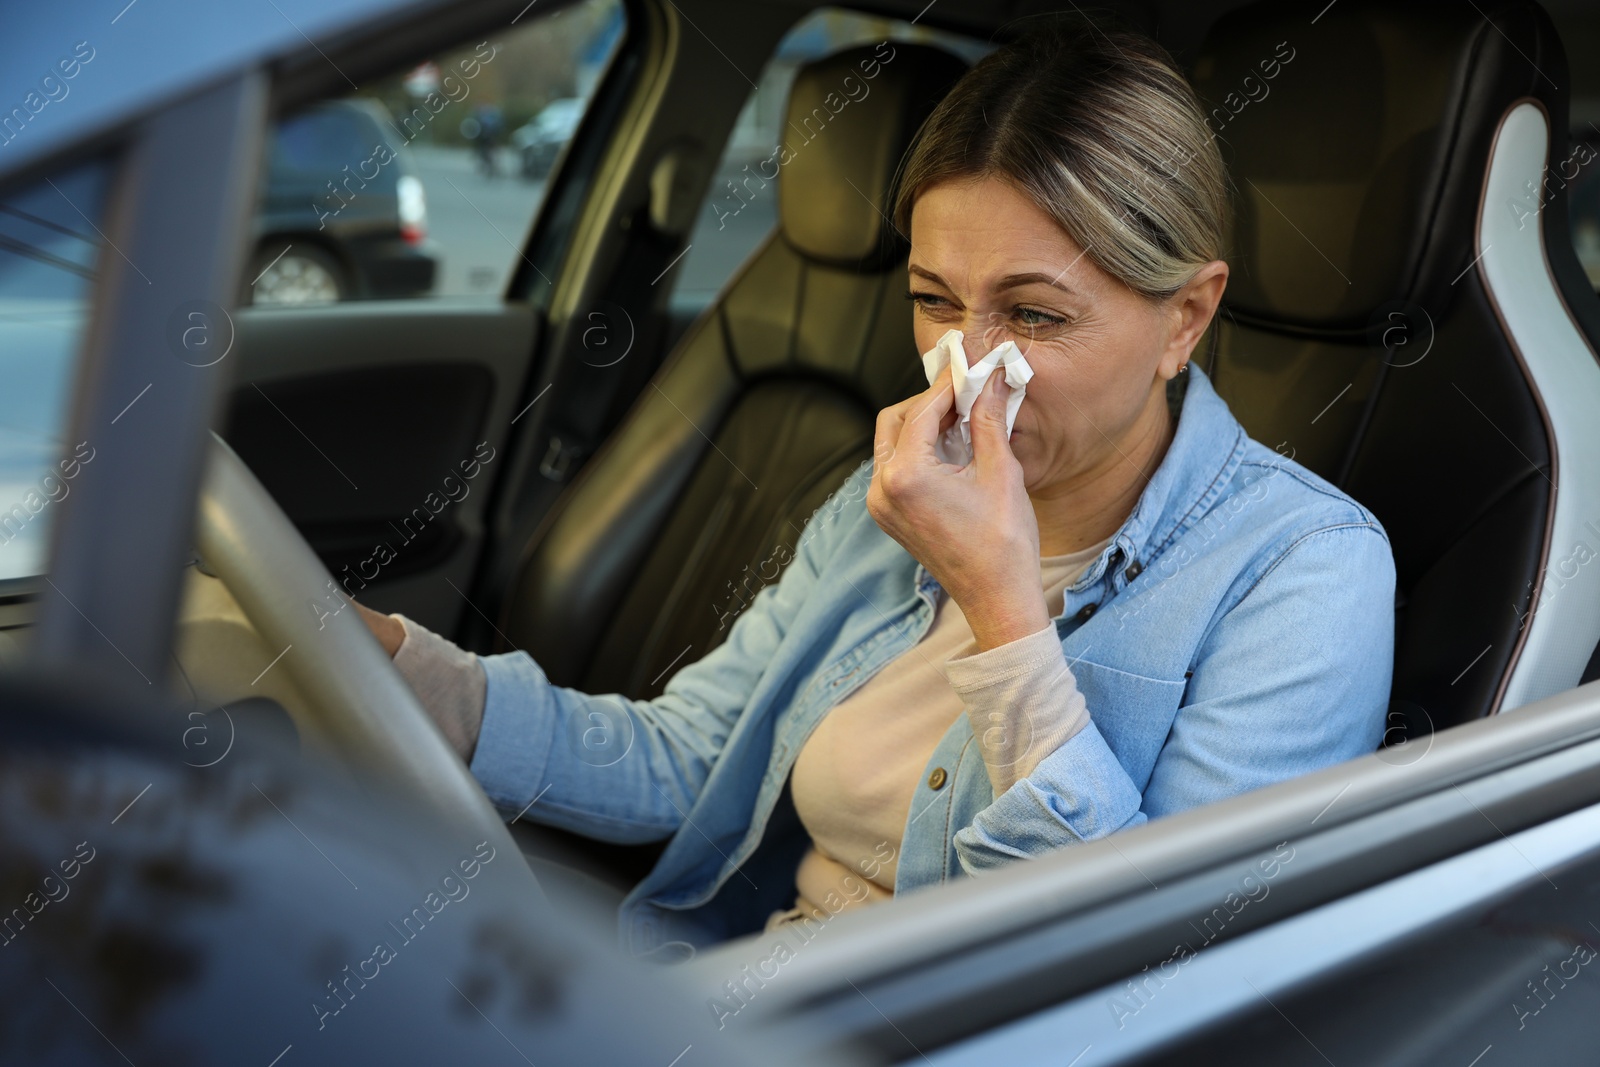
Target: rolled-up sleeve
[1022,702]
[1293,678]
[448,681]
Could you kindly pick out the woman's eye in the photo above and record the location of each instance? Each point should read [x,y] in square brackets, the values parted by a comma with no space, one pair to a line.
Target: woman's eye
[1036,319]
[1028,320]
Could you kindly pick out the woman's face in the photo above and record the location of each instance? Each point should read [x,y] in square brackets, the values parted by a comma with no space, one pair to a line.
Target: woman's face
[989,262]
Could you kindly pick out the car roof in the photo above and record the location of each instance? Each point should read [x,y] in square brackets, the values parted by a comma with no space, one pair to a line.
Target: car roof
[145,53]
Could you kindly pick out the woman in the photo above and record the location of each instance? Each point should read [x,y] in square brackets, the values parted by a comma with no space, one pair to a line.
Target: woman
[1122,609]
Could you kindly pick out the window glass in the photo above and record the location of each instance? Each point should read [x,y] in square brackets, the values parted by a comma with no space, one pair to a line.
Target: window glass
[732,223]
[426,183]
[49,246]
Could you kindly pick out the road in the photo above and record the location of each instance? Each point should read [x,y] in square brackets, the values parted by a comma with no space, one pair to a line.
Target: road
[479,223]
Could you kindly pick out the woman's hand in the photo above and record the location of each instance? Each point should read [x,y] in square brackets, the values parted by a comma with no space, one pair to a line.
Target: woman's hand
[973,527]
[386,628]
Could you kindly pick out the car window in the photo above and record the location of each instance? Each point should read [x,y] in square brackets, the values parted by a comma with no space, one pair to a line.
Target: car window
[732,223]
[425,184]
[50,242]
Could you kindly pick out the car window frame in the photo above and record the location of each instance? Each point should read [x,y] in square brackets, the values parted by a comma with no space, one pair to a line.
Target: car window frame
[180,214]
[960,958]
[557,224]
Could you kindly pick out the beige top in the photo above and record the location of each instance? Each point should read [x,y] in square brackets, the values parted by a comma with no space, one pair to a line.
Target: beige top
[855,776]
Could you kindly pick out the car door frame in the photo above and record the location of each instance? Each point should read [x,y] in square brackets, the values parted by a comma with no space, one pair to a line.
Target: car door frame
[957,960]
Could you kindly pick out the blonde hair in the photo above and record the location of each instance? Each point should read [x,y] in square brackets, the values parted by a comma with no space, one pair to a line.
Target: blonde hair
[1101,129]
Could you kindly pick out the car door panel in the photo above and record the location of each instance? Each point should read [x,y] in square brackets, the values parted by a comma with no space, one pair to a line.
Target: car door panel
[380,428]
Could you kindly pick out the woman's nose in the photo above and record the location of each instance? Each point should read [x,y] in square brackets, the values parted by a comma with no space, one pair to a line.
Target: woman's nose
[984,335]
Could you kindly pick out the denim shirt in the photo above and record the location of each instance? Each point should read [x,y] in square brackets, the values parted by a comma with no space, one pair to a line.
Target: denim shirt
[1238,630]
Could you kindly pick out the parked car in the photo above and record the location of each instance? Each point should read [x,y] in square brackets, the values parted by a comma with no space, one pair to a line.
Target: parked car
[342,214]
[226,818]
[539,143]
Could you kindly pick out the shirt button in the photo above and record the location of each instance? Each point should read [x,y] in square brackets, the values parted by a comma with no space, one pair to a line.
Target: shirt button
[1134,570]
[1087,612]
[937,779]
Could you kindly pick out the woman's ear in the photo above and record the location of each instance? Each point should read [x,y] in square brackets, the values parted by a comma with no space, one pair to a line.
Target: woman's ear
[1189,311]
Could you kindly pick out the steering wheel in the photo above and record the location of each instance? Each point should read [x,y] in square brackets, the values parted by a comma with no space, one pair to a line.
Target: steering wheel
[361,703]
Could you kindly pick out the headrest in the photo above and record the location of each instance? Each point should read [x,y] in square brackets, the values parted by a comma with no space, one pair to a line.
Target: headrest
[851,117]
[1357,145]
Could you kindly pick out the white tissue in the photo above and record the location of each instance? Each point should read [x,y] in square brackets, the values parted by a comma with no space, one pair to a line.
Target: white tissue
[955,444]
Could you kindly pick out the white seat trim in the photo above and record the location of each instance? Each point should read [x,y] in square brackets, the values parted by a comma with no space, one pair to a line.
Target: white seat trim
[1564,625]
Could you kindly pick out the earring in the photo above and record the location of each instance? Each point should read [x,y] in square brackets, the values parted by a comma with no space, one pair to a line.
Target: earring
[1184,369]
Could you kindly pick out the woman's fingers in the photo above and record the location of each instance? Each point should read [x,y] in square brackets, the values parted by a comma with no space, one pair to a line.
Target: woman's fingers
[389,631]
[991,444]
[887,433]
[926,420]
[936,404]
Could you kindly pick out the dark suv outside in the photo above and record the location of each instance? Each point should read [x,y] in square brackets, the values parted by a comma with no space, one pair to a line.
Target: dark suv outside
[342,214]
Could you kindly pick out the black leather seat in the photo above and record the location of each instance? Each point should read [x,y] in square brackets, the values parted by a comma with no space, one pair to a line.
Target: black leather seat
[1360,168]
[762,410]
